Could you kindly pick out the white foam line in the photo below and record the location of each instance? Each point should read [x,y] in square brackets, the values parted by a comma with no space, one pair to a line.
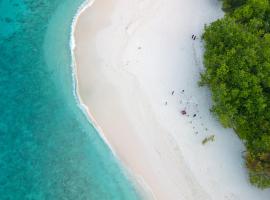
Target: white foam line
[139,179]
[81,105]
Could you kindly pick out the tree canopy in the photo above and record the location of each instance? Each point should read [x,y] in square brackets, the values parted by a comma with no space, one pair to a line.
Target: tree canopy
[237,61]
[229,5]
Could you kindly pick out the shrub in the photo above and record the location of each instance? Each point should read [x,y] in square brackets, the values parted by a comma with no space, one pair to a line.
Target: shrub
[208,139]
[237,61]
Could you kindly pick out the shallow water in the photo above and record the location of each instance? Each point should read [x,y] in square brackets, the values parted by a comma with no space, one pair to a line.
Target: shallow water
[48,149]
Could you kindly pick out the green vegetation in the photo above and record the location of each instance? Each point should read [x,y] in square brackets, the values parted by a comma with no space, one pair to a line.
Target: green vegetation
[208,139]
[230,5]
[237,61]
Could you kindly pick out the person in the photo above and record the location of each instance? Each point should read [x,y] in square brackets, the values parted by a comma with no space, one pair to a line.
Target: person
[192,36]
[173,92]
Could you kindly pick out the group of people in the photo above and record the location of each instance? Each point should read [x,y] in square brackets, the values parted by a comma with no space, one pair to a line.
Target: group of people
[186,111]
[183,112]
[194,37]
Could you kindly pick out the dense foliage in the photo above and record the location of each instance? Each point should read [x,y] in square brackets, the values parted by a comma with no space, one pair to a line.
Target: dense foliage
[230,5]
[237,61]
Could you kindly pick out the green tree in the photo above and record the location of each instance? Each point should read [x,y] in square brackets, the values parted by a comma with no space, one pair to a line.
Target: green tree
[237,61]
[229,5]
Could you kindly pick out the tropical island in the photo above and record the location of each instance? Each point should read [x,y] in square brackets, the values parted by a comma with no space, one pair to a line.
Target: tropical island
[237,61]
[100,99]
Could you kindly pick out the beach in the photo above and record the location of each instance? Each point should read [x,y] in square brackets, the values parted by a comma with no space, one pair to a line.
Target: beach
[138,68]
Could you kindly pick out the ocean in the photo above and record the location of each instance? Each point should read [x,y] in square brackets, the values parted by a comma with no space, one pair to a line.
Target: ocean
[48,148]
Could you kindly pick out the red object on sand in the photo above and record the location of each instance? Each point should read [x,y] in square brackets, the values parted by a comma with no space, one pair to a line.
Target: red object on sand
[183,112]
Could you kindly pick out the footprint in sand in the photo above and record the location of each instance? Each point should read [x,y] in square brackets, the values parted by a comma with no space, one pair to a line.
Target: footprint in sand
[145,10]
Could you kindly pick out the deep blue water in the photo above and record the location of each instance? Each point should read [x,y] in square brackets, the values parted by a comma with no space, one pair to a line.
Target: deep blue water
[48,149]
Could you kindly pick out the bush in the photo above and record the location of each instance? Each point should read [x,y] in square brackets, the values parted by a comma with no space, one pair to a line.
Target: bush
[229,5]
[237,61]
[210,138]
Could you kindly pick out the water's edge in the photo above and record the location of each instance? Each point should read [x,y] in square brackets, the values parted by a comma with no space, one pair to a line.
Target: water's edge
[135,179]
[81,105]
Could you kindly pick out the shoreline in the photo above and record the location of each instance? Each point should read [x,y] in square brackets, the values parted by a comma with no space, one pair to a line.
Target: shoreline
[135,179]
[197,181]
[81,105]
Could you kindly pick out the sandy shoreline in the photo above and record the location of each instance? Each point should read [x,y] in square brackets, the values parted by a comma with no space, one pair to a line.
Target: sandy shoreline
[83,107]
[130,56]
[139,183]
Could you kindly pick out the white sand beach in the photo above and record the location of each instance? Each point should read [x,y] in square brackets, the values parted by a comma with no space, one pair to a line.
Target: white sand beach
[137,69]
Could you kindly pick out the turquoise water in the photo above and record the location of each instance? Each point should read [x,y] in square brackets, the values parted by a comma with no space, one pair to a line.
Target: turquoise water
[48,149]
